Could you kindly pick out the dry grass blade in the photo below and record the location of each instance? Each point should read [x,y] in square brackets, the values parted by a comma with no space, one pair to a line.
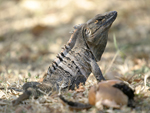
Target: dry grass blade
[145,78]
[111,63]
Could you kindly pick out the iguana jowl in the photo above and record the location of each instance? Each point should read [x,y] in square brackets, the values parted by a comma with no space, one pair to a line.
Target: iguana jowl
[78,58]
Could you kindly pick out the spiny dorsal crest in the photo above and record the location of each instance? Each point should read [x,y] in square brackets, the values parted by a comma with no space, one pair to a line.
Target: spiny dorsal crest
[75,27]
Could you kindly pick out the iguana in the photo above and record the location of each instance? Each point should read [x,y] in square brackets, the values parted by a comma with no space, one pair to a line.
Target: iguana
[77,59]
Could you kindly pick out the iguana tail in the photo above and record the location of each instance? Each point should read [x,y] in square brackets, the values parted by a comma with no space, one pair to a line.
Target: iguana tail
[75,105]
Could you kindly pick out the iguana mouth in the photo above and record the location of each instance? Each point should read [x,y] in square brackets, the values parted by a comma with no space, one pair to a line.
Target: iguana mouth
[110,19]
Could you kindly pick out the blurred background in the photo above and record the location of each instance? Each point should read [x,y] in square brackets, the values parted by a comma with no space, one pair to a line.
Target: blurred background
[32,32]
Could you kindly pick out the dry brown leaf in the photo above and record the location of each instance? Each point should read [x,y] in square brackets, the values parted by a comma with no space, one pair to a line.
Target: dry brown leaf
[137,80]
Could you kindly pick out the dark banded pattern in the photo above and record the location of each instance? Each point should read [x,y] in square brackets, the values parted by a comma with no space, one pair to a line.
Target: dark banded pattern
[59,57]
[64,63]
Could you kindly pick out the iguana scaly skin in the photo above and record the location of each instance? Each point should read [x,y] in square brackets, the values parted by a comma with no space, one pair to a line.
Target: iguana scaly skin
[77,59]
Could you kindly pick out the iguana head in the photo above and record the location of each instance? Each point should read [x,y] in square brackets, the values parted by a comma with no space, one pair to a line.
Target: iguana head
[95,32]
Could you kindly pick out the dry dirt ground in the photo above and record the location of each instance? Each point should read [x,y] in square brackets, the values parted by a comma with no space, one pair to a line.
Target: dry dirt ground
[32,32]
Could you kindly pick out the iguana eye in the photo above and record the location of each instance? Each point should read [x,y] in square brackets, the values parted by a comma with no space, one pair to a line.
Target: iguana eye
[87,32]
[98,20]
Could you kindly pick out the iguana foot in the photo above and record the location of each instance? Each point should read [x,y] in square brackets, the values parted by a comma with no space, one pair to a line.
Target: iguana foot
[32,88]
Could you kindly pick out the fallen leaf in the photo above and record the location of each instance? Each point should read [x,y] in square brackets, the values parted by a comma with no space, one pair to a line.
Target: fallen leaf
[1,94]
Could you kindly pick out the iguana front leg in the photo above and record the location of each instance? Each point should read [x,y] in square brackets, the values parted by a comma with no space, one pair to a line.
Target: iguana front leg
[96,70]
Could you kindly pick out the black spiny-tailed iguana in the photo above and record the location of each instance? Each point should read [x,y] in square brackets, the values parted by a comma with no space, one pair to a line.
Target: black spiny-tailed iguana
[77,59]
